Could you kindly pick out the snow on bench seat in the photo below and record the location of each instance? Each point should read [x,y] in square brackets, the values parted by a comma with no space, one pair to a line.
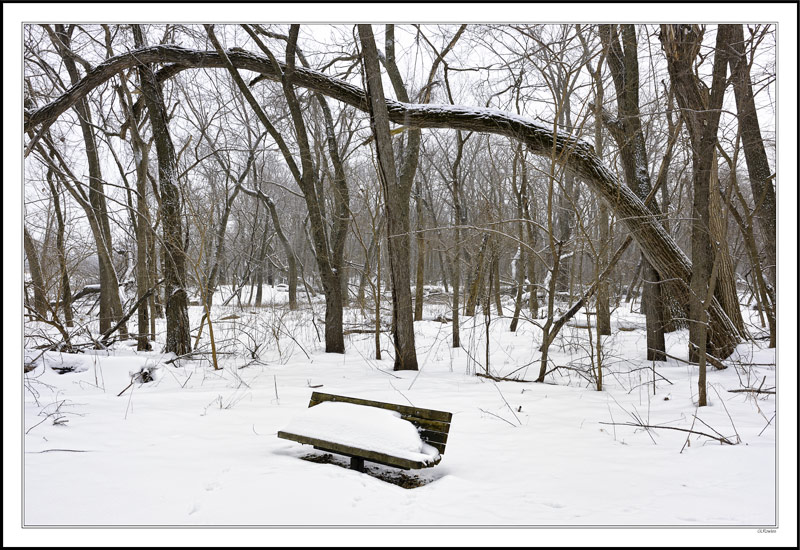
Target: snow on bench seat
[359,427]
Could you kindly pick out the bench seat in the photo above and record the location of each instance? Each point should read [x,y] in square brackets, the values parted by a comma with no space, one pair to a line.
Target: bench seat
[386,439]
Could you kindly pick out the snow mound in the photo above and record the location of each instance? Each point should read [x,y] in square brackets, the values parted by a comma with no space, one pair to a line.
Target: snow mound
[368,428]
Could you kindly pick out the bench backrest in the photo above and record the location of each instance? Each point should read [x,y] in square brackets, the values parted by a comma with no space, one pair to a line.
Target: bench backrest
[433,426]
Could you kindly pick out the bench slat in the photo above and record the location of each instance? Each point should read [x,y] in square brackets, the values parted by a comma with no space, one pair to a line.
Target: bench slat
[431,437]
[431,425]
[438,446]
[425,414]
[372,456]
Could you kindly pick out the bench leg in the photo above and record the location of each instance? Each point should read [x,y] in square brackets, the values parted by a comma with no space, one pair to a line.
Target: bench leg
[357,463]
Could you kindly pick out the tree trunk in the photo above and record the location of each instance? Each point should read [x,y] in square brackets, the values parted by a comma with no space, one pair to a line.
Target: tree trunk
[761,181]
[177,298]
[396,195]
[420,271]
[66,291]
[477,278]
[726,291]
[262,256]
[35,269]
[701,111]
[627,132]
[495,267]
[142,228]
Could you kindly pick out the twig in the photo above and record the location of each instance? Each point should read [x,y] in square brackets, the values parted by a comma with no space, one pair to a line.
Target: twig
[500,417]
[707,426]
[738,437]
[768,423]
[126,387]
[506,402]
[685,443]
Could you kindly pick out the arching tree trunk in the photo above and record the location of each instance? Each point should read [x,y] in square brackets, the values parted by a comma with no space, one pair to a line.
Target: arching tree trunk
[660,249]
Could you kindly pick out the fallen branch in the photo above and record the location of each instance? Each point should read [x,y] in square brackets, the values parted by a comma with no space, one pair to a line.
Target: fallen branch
[502,378]
[710,358]
[753,390]
[713,360]
[58,451]
[361,331]
[648,426]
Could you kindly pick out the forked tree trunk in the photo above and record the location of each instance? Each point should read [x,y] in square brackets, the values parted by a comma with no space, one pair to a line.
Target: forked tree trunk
[397,194]
[626,130]
[701,111]
[177,298]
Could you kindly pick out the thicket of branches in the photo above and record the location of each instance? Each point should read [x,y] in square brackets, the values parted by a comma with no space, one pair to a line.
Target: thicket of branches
[564,167]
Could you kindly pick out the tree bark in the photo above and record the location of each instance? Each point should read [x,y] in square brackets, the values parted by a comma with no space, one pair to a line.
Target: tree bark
[476,281]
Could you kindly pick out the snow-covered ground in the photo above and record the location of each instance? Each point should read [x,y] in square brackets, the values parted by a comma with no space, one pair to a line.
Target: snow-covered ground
[198,446]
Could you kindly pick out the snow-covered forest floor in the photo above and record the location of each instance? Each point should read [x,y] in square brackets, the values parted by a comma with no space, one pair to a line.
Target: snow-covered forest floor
[197,446]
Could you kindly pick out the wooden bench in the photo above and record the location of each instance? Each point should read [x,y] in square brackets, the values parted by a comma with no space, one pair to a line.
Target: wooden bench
[433,427]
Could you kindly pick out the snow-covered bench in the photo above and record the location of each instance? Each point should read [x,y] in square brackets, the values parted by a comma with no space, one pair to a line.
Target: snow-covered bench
[394,435]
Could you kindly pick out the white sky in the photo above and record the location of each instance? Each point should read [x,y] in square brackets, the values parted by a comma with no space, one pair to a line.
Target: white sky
[786,16]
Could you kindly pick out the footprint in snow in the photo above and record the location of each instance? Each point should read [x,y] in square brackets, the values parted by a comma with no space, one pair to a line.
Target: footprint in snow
[213,485]
[553,504]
